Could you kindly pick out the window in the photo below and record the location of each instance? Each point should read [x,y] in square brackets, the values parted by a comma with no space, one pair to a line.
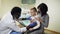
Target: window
[28,1]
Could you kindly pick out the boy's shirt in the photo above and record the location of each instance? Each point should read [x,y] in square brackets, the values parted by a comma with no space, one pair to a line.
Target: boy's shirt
[35,22]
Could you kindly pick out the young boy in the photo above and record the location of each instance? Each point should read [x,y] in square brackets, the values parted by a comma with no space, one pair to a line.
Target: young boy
[34,20]
[35,24]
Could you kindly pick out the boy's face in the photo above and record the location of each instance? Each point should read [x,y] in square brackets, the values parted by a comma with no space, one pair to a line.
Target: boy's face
[32,12]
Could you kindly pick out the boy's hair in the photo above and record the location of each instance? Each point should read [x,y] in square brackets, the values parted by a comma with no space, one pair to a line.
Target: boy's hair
[16,11]
[43,8]
[35,10]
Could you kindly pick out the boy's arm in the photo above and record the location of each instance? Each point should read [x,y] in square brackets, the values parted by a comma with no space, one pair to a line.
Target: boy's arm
[38,23]
[37,26]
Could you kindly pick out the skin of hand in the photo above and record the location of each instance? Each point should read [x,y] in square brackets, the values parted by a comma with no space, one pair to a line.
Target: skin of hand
[32,21]
[27,27]
[31,29]
[39,19]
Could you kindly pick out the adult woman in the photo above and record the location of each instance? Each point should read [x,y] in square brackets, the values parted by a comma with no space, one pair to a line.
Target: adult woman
[42,12]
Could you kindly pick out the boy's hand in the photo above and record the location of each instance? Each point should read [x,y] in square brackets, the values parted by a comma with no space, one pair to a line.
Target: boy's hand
[31,29]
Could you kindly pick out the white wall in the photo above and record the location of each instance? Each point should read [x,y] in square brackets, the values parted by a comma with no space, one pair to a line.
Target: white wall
[7,5]
[0,6]
[54,13]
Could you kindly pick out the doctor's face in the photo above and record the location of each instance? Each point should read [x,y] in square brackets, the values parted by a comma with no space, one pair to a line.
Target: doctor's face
[16,16]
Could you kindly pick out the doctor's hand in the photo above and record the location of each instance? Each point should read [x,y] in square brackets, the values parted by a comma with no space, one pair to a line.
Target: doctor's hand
[28,27]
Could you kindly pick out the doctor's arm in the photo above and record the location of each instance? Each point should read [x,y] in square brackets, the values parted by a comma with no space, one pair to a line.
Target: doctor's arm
[14,27]
[28,18]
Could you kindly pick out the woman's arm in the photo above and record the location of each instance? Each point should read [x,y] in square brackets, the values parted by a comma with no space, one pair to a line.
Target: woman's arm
[39,19]
[45,21]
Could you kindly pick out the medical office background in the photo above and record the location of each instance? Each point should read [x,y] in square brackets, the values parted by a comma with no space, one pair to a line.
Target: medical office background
[53,10]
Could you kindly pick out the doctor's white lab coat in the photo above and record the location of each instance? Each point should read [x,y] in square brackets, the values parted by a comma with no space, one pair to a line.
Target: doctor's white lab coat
[7,24]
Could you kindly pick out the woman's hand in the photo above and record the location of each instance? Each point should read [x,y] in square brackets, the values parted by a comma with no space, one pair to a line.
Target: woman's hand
[39,19]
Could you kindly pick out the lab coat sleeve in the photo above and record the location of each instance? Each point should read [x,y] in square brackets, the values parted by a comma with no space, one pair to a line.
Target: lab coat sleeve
[14,27]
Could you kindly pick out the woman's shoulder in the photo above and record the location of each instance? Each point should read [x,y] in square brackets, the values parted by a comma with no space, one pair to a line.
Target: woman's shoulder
[46,16]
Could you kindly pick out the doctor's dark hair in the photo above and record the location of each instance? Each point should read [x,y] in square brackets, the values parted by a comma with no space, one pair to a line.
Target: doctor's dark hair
[43,9]
[16,12]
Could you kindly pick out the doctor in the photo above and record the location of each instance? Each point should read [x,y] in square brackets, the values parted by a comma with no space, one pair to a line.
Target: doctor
[8,22]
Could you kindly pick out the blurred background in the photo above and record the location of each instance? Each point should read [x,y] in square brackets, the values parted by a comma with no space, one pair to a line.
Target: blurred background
[53,10]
